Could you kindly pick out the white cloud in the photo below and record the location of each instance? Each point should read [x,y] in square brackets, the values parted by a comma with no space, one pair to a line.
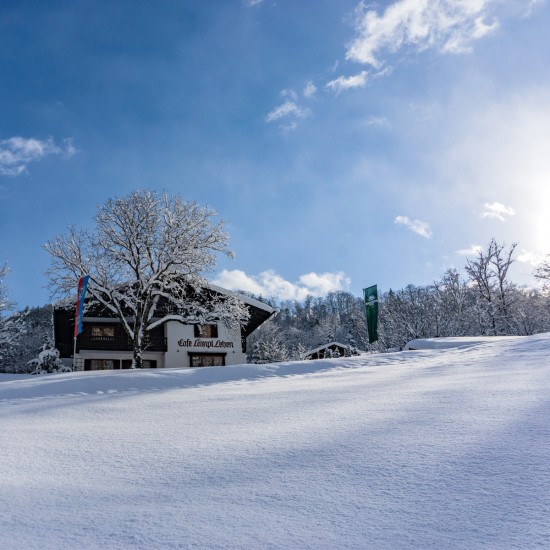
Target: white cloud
[474,250]
[17,152]
[531,258]
[269,283]
[289,127]
[378,121]
[450,26]
[319,284]
[346,83]
[291,109]
[386,71]
[532,5]
[416,226]
[290,93]
[497,210]
[310,89]
[288,108]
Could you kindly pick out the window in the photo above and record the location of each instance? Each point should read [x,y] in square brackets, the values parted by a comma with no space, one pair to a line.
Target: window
[103,331]
[207,360]
[109,364]
[145,363]
[101,364]
[206,331]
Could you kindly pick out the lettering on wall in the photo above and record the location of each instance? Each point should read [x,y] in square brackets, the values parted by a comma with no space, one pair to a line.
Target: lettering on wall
[198,343]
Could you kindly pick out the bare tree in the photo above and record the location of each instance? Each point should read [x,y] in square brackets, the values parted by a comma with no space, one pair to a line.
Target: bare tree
[6,334]
[489,274]
[451,296]
[5,304]
[531,311]
[11,326]
[146,251]
[542,273]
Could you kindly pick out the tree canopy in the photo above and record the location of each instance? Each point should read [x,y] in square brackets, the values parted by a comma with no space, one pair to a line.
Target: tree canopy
[146,250]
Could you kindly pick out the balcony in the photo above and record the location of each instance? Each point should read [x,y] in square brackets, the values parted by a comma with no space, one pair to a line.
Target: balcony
[119,343]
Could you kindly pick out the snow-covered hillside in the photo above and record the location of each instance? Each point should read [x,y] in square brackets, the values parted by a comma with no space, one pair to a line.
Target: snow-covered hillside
[421,449]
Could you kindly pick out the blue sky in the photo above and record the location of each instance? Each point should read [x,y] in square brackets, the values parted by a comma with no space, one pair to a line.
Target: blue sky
[344,143]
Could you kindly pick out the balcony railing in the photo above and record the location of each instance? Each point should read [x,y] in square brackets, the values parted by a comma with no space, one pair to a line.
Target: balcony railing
[119,343]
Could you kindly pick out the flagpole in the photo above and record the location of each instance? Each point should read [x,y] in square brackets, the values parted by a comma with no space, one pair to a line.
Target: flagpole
[81,296]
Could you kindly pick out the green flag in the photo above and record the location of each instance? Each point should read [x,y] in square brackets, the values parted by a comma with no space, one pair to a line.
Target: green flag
[371,310]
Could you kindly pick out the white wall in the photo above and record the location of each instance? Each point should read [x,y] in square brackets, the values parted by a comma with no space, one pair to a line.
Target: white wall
[181,340]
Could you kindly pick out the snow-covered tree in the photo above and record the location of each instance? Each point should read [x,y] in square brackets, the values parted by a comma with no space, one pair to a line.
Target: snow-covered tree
[11,326]
[531,312]
[407,314]
[450,295]
[542,273]
[48,360]
[489,275]
[267,345]
[351,345]
[298,352]
[146,258]
[451,306]
[5,304]
[33,326]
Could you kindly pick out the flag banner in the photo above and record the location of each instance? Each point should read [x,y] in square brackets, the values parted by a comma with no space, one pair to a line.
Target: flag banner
[82,286]
[371,311]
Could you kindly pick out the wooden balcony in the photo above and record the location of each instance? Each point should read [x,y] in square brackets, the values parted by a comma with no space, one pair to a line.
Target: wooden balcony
[118,343]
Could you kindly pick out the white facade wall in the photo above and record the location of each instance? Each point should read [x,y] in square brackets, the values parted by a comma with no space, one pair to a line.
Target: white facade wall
[182,341]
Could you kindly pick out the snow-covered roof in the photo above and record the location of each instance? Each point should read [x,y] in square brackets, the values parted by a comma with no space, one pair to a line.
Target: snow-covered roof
[259,312]
[242,297]
[325,346]
[70,302]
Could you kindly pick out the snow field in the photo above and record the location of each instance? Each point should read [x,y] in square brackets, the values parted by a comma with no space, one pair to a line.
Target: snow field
[423,449]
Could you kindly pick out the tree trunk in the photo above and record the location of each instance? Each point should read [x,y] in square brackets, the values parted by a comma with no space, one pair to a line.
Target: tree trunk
[137,361]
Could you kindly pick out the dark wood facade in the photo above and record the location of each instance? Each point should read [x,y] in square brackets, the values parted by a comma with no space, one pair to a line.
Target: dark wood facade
[88,340]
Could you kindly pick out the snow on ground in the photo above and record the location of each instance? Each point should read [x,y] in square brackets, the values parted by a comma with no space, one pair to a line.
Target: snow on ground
[420,449]
[453,342]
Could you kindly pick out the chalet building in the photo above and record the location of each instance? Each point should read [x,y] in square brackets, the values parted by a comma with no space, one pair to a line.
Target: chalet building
[103,344]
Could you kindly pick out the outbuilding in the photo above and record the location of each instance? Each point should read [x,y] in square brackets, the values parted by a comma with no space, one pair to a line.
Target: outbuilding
[327,351]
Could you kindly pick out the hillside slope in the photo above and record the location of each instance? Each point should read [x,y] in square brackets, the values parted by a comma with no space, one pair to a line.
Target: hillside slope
[434,449]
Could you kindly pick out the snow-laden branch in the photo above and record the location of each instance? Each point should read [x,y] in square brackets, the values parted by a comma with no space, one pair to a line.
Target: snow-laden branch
[146,249]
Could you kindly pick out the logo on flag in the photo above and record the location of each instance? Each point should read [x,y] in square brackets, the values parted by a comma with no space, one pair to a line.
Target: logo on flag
[371,311]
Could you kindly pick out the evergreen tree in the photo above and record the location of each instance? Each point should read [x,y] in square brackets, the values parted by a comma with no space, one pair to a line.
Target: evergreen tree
[48,360]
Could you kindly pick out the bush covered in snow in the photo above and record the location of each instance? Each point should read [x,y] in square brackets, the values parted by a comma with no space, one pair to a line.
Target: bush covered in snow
[48,361]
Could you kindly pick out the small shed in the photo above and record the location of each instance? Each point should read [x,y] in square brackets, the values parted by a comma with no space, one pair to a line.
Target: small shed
[327,351]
